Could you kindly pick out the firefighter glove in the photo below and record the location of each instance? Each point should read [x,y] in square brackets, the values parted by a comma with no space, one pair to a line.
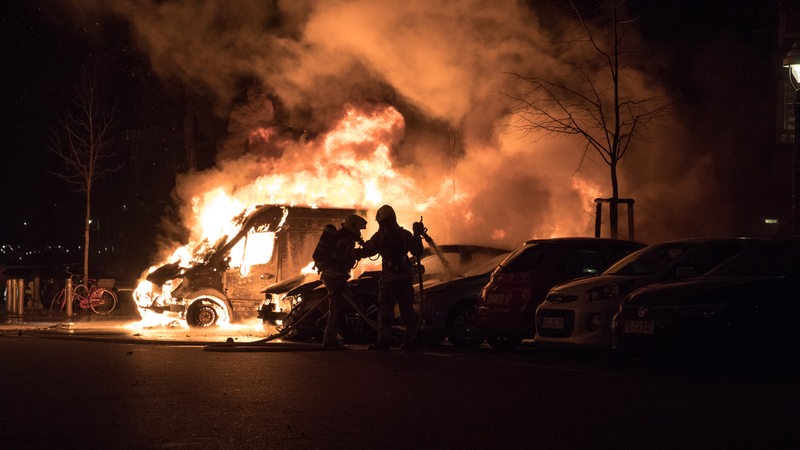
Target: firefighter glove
[419,228]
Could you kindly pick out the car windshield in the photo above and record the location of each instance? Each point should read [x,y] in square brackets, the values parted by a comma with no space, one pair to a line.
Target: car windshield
[773,259]
[478,263]
[525,258]
[484,266]
[649,260]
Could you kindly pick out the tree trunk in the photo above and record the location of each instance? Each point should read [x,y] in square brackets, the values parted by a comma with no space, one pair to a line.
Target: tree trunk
[613,215]
[86,230]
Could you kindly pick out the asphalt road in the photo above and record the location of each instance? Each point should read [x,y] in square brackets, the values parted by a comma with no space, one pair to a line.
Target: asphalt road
[106,388]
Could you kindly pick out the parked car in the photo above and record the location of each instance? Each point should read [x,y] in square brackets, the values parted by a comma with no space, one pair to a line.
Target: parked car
[452,281]
[449,302]
[505,310]
[748,305]
[579,313]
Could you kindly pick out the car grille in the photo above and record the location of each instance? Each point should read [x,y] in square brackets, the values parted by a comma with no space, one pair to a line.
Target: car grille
[559,298]
[567,316]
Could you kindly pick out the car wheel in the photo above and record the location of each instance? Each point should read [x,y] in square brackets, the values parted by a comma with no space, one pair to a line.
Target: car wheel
[201,314]
[461,331]
[503,342]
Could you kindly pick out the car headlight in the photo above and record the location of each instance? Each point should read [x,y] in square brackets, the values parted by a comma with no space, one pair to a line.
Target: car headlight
[610,290]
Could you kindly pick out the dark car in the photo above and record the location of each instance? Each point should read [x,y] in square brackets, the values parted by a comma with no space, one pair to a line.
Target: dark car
[449,302]
[578,313]
[505,311]
[452,280]
[747,305]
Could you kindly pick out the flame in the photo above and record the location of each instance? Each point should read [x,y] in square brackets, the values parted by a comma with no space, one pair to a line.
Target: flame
[308,269]
[214,211]
[348,167]
[588,192]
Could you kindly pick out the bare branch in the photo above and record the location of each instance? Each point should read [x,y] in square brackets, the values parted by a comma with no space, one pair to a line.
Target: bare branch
[82,147]
[592,104]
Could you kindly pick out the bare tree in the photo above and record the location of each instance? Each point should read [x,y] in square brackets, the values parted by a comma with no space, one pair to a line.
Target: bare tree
[81,142]
[594,103]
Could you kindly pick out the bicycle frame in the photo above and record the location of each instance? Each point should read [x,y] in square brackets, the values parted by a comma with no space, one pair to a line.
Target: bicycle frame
[100,300]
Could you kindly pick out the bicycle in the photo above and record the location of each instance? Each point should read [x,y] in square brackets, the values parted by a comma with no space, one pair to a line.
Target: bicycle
[100,300]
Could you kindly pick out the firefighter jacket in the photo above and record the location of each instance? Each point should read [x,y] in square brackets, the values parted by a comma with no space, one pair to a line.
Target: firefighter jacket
[334,255]
[393,243]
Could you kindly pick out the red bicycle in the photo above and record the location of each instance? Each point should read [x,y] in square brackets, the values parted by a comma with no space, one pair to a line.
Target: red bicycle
[85,296]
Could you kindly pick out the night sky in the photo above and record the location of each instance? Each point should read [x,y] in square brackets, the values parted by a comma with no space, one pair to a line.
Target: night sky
[47,46]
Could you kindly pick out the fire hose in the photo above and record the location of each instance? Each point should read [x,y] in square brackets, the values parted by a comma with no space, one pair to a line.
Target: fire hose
[419,230]
[312,306]
[259,344]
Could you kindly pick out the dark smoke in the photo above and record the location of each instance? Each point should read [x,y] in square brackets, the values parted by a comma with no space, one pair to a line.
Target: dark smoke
[445,66]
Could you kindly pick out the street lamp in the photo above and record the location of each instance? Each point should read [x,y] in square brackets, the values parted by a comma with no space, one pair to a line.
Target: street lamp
[792,61]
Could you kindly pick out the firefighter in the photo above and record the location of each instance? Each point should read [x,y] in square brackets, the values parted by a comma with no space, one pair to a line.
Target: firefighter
[334,258]
[394,244]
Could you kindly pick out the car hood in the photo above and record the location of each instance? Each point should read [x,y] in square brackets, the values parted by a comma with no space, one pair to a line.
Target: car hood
[436,285]
[290,284]
[582,285]
[164,273]
[701,290]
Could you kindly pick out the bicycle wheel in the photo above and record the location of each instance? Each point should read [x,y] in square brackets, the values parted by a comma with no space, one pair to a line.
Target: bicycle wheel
[103,301]
[80,298]
[80,292]
[57,304]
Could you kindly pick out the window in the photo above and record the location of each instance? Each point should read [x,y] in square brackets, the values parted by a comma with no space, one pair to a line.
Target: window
[525,258]
[583,262]
[255,248]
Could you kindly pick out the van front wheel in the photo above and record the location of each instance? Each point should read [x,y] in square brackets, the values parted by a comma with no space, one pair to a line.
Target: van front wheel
[202,314]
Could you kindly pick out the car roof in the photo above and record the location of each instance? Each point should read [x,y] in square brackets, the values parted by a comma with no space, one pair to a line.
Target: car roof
[578,239]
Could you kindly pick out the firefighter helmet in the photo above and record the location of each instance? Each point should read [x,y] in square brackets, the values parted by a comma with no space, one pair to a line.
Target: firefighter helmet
[354,223]
[385,212]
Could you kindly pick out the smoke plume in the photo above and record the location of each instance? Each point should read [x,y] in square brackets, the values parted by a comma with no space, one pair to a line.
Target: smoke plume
[445,66]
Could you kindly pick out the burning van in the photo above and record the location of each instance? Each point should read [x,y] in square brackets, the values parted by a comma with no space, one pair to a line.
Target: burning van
[225,281]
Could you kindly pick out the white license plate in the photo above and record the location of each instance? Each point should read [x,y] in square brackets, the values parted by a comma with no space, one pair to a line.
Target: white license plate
[553,323]
[639,327]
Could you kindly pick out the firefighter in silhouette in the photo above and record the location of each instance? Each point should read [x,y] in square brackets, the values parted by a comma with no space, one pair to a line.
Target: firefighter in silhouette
[394,244]
[334,258]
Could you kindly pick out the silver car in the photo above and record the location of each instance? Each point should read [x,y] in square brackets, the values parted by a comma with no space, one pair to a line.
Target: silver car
[579,313]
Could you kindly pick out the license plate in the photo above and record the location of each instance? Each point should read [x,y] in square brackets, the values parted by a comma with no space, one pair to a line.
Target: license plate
[553,323]
[498,299]
[639,327]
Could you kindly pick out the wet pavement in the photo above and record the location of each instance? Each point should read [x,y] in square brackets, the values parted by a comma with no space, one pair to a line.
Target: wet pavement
[134,330]
[118,384]
[128,324]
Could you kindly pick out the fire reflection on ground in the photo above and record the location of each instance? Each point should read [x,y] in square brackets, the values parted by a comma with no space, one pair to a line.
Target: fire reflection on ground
[136,331]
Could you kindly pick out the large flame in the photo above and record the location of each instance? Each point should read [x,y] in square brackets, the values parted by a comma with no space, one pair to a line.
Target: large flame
[348,167]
